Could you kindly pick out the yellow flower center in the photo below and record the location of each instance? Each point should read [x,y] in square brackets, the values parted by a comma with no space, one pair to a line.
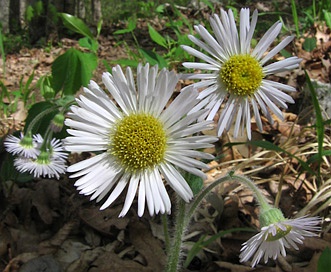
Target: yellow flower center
[242,75]
[138,142]
[279,234]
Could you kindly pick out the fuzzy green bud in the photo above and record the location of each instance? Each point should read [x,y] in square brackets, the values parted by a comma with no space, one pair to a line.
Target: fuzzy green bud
[271,216]
[57,122]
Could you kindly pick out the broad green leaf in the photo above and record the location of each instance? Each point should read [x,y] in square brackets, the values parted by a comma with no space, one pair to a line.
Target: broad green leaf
[195,182]
[153,58]
[156,37]
[324,262]
[86,42]
[160,9]
[309,44]
[8,171]
[72,70]
[327,18]
[285,53]
[77,25]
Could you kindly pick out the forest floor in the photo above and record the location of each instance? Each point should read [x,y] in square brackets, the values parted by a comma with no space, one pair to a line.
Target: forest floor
[46,222]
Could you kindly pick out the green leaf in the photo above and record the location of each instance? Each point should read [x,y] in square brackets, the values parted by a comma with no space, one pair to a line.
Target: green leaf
[86,42]
[309,44]
[153,58]
[319,119]
[45,86]
[29,13]
[132,24]
[75,24]
[25,89]
[72,70]
[285,53]
[99,26]
[156,37]
[39,8]
[324,262]
[2,52]
[209,4]
[327,18]
[195,182]
[160,9]
[317,157]
[9,172]
[124,62]
[203,242]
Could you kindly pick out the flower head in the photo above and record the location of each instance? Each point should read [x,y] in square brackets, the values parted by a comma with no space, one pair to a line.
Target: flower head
[57,122]
[139,141]
[238,72]
[276,235]
[25,145]
[50,162]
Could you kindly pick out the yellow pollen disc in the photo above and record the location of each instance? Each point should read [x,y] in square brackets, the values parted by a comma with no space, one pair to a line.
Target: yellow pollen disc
[242,75]
[279,234]
[138,142]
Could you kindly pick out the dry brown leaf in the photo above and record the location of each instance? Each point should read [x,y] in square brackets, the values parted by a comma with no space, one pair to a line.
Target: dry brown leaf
[110,261]
[15,263]
[104,221]
[52,245]
[147,245]
[44,195]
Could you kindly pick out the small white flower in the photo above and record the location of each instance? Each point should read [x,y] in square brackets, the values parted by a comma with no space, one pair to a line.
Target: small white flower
[50,162]
[57,151]
[138,142]
[24,146]
[238,73]
[272,240]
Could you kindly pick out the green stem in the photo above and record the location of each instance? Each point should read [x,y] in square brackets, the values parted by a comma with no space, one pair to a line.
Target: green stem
[174,255]
[183,218]
[204,193]
[164,220]
[256,191]
[39,117]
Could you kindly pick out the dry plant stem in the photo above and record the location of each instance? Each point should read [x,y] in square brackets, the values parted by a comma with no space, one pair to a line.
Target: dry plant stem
[174,254]
[280,186]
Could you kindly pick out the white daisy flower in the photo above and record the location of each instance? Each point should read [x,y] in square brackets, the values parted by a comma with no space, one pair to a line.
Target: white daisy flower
[238,73]
[24,146]
[138,143]
[57,151]
[50,162]
[272,240]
